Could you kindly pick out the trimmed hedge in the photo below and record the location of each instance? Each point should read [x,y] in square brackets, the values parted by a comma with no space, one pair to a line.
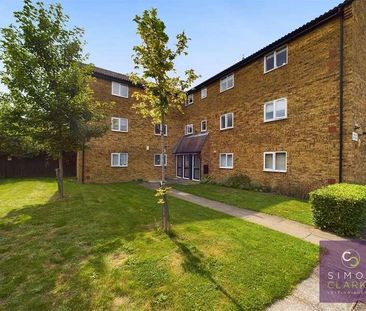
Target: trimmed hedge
[340,208]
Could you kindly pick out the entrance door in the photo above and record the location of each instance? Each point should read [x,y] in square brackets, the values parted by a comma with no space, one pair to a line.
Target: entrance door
[187,172]
[188,166]
[196,164]
[179,160]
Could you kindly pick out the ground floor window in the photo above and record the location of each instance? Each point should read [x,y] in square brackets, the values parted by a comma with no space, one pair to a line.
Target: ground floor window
[158,159]
[227,160]
[275,162]
[119,159]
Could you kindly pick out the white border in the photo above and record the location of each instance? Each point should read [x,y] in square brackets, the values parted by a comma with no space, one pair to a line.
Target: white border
[226,167]
[274,110]
[273,170]
[119,158]
[119,124]
[203,131]
[119,88]
[230,127]
[274,60]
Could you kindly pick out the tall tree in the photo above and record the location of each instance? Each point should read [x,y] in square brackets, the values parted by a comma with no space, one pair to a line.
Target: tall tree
[164,90]
[51,100]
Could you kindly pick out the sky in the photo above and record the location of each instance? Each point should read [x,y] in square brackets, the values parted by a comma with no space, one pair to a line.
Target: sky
[221,32]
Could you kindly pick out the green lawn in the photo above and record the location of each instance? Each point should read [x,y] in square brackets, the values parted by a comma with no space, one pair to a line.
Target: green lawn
[99,249]
[268,203]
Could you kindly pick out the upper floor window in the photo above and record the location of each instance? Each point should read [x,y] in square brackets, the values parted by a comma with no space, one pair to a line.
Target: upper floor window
[275,162]
[227,83]
[119,89]
[275,110]
[276,59]
[227,121]
[158,159]
[119,124]
[227,160]
[119,159]
[157,129]
[189,129]
[190,99]
[204,126]
[204,93]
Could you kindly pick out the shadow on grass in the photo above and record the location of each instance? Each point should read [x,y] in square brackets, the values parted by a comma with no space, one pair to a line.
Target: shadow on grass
[53,254]
[193,262]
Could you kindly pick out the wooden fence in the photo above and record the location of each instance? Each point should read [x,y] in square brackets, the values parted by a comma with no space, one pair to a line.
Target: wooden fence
[38,166]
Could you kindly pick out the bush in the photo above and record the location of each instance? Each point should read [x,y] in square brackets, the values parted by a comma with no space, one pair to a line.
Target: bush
[340,208]
[208,180]
[239,181]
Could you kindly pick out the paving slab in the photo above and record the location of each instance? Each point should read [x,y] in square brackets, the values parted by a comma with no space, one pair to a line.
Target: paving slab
[306,297]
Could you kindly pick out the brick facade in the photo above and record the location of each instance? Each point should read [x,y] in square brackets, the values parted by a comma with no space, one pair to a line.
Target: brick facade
[309,134]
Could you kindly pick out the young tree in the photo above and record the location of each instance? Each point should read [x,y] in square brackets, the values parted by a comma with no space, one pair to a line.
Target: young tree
[49,92]
[164,90]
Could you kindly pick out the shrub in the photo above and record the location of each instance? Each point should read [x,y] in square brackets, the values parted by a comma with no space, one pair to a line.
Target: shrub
[340,208]
[208,180]
[239,181]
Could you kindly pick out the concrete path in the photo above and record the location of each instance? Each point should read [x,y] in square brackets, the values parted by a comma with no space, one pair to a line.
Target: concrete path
[298,230]
[306,294]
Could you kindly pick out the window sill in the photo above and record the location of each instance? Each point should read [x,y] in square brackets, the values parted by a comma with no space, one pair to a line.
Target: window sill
[166,135]
[222,91]
[226,128]
[119,131]
[120,166]
[226,168]
[268,71]
[120,96]
[275,171]
[273,120]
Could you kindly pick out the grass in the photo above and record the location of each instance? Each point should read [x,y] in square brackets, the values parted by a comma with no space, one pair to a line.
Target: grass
[100,249]
[268,203]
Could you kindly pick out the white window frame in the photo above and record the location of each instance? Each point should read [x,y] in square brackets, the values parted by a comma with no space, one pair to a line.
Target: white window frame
[225,79]
[274,54]
[203,130]
[274,154]
[190,97]
[119,159]
[120,85]
[119,124]
[226,167]
[204,93]
[274,102]
[186,127]
[227,127]
[158,134]
[165,162]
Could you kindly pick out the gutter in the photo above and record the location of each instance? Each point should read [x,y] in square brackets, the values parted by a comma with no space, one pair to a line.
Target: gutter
[277,44]
[341,91]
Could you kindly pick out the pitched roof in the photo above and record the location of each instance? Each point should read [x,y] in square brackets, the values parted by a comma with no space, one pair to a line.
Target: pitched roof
[277,44]
[190,144]
[110,75]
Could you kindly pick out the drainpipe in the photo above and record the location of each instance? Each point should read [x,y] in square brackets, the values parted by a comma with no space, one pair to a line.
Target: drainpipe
[341,90]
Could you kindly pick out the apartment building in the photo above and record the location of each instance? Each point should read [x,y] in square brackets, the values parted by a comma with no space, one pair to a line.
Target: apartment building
[292,116]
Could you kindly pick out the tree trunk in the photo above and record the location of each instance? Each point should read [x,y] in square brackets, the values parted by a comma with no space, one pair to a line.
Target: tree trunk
[164,207]
[60,175]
